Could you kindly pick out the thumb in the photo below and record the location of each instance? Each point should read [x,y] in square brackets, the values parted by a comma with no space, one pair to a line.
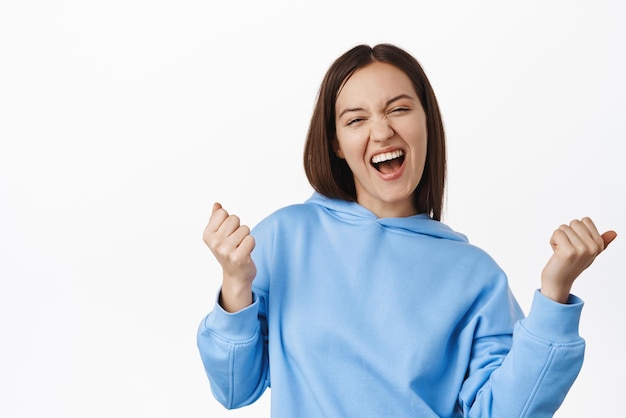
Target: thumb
[608,237]
[216,207]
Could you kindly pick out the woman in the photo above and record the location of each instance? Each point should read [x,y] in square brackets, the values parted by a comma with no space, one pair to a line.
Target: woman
[360,302]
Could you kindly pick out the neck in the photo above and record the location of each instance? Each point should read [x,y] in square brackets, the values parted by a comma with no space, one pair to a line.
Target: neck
[391,210]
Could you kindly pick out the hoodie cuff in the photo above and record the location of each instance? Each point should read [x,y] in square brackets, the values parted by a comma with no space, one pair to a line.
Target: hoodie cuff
[553,321]
[234,326]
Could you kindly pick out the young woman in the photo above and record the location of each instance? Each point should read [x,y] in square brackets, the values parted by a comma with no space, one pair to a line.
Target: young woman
[360,302]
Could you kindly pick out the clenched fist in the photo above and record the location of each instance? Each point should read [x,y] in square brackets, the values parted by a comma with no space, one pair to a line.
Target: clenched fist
[232,245]
[575,247]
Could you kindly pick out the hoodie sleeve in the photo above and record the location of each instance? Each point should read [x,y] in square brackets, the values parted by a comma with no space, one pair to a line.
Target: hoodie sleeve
[233,350]
[532,379]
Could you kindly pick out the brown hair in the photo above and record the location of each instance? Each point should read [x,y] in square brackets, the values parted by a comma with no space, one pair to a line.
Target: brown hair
[329,174]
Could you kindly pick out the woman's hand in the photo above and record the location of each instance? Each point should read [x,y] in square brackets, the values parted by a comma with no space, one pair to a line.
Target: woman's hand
[575,247]
[232,245]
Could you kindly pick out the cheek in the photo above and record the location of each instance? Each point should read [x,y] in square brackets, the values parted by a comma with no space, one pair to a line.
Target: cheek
[350,145]
[418,138]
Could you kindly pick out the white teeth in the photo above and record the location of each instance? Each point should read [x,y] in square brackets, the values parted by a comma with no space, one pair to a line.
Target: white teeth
[386,156]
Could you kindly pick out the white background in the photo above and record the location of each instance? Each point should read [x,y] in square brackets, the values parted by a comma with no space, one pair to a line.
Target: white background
[121,122]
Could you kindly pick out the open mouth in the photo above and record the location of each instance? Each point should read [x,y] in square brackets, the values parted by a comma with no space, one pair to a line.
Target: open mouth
[388,162]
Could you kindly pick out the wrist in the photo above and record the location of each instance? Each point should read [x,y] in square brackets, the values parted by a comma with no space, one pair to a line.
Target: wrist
[235,296]
[558,294]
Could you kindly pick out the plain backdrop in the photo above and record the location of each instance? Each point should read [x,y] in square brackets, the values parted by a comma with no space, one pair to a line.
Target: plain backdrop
[121,122]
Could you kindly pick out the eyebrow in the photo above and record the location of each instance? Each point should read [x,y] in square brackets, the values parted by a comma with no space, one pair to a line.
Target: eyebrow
[390,101]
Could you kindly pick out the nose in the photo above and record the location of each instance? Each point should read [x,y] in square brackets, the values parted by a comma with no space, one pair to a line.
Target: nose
[381,130]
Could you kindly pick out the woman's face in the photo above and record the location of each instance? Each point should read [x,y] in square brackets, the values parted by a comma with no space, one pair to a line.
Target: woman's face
[382,135]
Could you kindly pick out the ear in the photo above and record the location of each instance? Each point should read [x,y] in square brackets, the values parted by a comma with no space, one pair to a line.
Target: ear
[335,145]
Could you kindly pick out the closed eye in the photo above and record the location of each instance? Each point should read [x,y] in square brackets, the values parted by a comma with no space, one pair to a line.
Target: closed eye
[399,109]
[354,121]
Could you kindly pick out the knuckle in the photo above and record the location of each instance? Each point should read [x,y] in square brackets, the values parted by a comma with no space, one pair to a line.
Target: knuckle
[251,242]
[600,243]
[208,238]
[568,253]
[594,248]
[583,251]
[217,246]
[239,260]
[578,226]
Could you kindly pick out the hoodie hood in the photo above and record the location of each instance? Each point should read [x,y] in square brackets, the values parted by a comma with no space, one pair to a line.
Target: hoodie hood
[353,212]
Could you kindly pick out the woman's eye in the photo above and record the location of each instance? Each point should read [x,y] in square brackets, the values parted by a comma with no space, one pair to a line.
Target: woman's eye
[399,109]
[354,121]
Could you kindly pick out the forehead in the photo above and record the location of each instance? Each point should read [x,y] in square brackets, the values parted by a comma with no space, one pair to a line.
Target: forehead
[376,82]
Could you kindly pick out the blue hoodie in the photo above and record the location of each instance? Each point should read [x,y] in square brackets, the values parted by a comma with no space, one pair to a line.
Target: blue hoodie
[359,316]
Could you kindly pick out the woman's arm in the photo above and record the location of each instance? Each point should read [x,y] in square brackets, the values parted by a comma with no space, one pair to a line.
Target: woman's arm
[230,340]
[546,354]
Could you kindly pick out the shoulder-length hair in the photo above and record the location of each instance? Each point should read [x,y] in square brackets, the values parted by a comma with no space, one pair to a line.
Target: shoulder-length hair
[329,174]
